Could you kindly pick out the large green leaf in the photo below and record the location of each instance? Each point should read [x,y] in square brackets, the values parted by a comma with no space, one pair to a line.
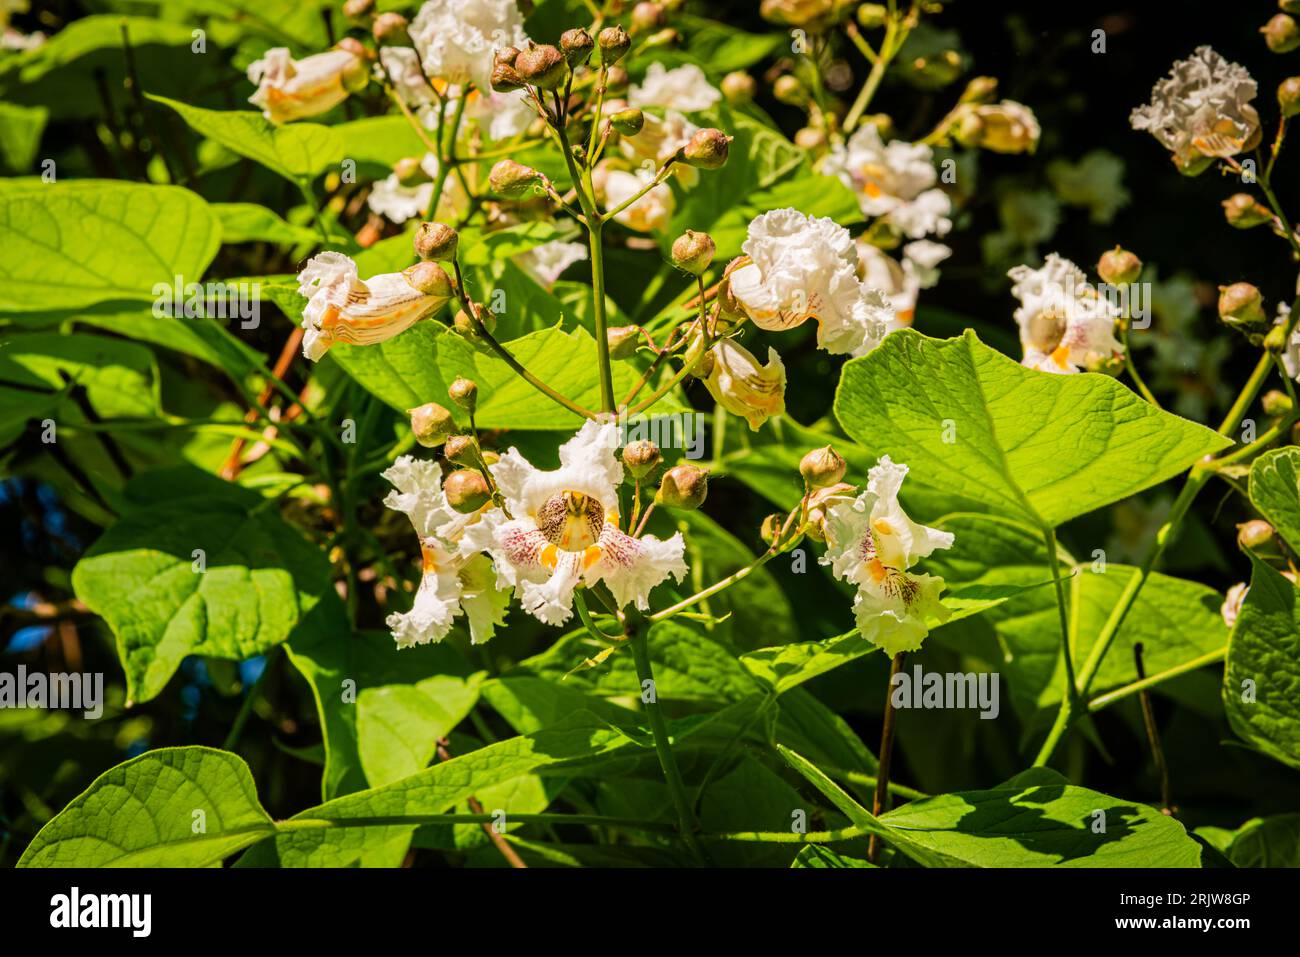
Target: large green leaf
[1266,842]
[120,378]
[1275,490]
[1261,685]
[83,242]
[1035,446]
[175,807]
[255,577]
[297,151]
[20,135]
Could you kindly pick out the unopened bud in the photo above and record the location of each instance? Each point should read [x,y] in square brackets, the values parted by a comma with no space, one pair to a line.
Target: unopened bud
[820,502]
[542,65]
[693,252]
[466,490]
[1254,534]
[1281,33]
[663,38]
[436,242]
[432,424]
[462,450]
[1288,96]
[358,9]
[390,29]
[1244,211]
[410,171]
[576,45]
[628,122]
[428,279]
[513,180]
[647,17]
[1119,267]
[1241,304]
[872,16]
[810,138]
[788,89]
[738,87]
[684,487]
[504,77]
[466,326]
[770,530]
[1275,402]
[641,458]
[822,467]
[980,89]
[1275,340]
[464,392]
[707,149]
[622,341]
[614,43]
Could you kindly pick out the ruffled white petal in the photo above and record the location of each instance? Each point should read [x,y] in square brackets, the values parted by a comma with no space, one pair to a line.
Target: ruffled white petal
[631,567]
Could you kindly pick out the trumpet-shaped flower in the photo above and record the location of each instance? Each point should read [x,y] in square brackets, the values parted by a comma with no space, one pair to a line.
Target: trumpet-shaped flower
[743,386]
[456,579]
[341,307]
[684,88]
[1201,110]
[901,281]
[1064,323]
[871,542]
[456,38]
[547,262]
[289,89]
[895,182]
[564,531]
[802,267]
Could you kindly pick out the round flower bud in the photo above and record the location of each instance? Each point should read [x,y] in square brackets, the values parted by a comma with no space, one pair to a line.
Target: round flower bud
[466,490]
[771,527]
[462,450]
[576,45]
[693,252]
[820,502]
[738,87]
[810,138]
[622,341]
[641,458]
[665,37]
[872,16]
[788,89]
[358,9]
[1119,267]
[1288,96]
[1275,402]
[432,424]
[647,17]
[822,467]
[543,66]
[628,122]
[614,43]
[513,180]
[468,328]
[504,77]
[464,392]
[980,89]
[1254,534]
[436,241]
[390,29]
[505,56]
[1281,33]
[684,487]
[1241,304]
[410,172]
[1244,211]
[489,457]
[707,149]
[428,279]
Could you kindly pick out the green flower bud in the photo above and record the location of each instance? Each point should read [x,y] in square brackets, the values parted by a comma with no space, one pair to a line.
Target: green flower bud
[462,450]
[1281,33]
[436,242]
[358,9]
[466,326]
[432,424]
[410,172]
[693,252]
[1119,267]
[1254,534]
[1288,96]
[1275,402]
[872,16]
[614,43]
[788,89]
[771,527]
[707,149]
[683,487]
[628,122]
[428,279]
[1244,211]
[810,138]
[391,29]
[576,45]
[466,490]
[1241,305]
[622,341]
[647,17]
[543,66]
[738,87]
[641,458]
[464,392]
[980,89]
[822,467]
[513,180]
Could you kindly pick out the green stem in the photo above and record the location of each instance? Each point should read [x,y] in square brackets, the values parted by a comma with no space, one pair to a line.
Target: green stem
[713,589]
[595,242]
[1110,697]
[888,47]
[880,801]
[1067,653]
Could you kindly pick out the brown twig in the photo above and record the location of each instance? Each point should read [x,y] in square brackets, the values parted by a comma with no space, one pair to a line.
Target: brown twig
[502,845]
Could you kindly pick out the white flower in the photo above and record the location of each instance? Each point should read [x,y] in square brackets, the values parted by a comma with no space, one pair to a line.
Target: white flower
[456,38]
[545,263]
[805,267]
[455,577]
[1064,323]
[901,281]
[1232,602]
[565,530]
[742,386]
[398,203]
[894,182]
[1290,355]
[289,89]
[499,115]
[652,213]
[343,308]
[683,88]
[1201,110]
[401,66]
[871,542]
